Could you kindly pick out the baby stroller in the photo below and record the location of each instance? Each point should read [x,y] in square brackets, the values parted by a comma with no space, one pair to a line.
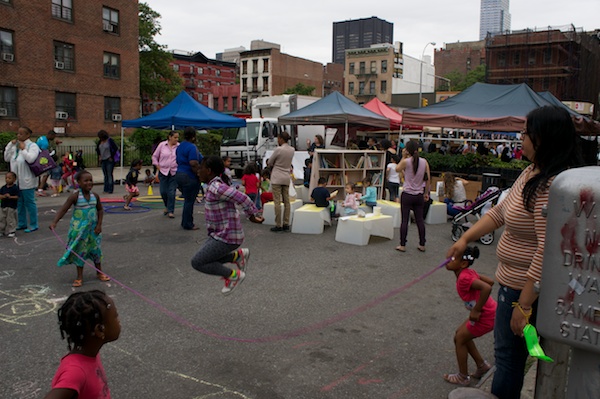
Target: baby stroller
[477,208]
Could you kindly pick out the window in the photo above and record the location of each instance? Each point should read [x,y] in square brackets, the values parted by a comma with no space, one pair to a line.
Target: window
[501,59]
[371,87]
[351,68]
[516,58]
[217,72]
[548,56]
[244,84]
[200,71]
[351,88]
[225,104]
[245,67]
[255,84]
[5,1]
[112,65]
[383,66]
[361,68]
[265,65]
[7,47]
[373,66]
[468,64]
[361,88]
[110,20]
[176,67]
[545,84]
[65,102]
[200,97]
[8,101]
[531,57]
[254,66]
[64,56]
[383,86]
[265,83]
[62,9]
[112,105]
[234,104]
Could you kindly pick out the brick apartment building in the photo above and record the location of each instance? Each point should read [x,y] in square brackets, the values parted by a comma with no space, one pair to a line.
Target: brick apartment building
[73,66]
[563,62]
[200,76]
[268,72]
[461,57]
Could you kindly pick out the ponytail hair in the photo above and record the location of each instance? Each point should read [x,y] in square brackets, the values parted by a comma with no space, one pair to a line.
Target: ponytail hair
[413,151]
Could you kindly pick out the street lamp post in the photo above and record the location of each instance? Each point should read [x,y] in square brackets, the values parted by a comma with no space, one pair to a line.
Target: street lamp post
[421,74]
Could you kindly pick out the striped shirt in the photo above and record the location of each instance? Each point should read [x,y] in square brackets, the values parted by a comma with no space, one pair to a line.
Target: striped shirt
[222,218]
[520,250]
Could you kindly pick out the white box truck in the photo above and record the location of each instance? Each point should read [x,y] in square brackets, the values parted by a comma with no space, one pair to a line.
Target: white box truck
[249,144]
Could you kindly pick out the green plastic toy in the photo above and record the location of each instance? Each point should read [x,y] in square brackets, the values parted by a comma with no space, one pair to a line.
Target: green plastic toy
[533,344]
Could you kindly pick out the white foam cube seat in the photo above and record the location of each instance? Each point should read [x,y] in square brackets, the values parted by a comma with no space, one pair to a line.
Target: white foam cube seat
[302,193]
[437,213]
[310,219]
[357,231]
[269,211]
[391,208]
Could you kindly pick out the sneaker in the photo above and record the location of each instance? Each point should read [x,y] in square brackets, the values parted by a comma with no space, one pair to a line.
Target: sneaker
[231,283]
[286,227]
[276,229]
[243,259]
[10,235]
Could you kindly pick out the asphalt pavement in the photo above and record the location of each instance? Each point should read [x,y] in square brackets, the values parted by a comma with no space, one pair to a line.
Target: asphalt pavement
[313,319]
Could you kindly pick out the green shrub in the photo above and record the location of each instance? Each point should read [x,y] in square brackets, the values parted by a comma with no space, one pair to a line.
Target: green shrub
[467,163]
[209,143]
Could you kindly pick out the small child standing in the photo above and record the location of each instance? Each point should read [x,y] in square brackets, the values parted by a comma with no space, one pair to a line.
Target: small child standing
[370,197]
[227,176]
[9,194]
[307,171]
[351,201]
[393,178]
[266,194]
[322,197]
[86,226]
[88,320]
[68,171]
[131,181]
[225,234]
[251,182]
[475,291]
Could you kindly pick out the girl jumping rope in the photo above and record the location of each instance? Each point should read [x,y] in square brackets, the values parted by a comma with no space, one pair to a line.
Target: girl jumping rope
[88,320]
[86,226]
[225,233]
[131,181]
[475,291]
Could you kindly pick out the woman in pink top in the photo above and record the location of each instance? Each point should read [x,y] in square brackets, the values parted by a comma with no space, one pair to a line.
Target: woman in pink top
[165,160]
[415,193]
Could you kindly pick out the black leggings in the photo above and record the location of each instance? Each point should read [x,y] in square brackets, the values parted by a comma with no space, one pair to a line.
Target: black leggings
[210,258]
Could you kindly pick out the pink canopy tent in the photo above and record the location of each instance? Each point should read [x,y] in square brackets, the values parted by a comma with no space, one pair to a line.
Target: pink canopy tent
[377,106]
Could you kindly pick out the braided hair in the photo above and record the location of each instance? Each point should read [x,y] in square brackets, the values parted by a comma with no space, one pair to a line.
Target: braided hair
[470,254]
[80,314]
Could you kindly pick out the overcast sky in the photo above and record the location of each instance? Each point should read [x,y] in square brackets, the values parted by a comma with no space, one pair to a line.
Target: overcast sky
[304,28]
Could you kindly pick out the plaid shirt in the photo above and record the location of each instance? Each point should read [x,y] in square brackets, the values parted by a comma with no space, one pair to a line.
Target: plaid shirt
[222,218]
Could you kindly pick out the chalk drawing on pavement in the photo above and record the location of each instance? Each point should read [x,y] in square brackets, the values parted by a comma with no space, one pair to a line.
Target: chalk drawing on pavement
[24,303]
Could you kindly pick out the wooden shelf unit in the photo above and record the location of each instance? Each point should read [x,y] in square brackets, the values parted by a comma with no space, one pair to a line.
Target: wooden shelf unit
[340,167]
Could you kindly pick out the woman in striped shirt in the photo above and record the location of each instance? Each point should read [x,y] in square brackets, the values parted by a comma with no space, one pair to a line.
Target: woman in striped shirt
[550,142]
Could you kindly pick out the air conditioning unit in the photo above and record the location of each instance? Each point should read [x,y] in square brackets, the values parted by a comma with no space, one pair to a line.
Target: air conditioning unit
[61,115]
[107,27]
[8,57]
[117,117]
[3,112]
[59,65]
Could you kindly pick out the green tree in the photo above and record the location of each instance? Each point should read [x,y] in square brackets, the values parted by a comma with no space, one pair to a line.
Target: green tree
[301,89]
[158,81]
[461,82]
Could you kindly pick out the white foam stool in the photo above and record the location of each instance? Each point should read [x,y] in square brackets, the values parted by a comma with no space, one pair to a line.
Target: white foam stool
[269,211]
[302,193]
[392,209]
[357,231]
[310,219]
[437,213]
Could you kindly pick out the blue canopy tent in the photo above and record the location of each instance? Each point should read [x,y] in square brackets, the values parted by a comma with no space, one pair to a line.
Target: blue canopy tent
[180,113]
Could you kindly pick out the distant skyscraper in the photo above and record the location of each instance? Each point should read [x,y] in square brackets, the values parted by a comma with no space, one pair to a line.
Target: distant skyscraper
[494,17]
[359,33]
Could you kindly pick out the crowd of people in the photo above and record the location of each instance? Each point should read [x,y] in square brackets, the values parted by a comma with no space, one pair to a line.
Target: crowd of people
[549,141]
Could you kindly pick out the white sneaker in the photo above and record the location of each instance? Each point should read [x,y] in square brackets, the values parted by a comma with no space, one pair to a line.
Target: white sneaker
[10,235]
[231,283]
[243,259]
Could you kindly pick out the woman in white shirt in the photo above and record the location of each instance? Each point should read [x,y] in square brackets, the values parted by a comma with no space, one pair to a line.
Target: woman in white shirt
[454,190]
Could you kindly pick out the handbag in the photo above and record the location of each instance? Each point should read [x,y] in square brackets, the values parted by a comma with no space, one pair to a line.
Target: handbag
[42,163]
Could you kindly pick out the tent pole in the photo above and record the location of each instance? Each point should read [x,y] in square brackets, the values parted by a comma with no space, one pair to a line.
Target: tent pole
[346,135]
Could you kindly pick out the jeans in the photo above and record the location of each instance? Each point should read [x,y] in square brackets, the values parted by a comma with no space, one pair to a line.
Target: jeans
[281,193]
[27,205]
[416,203]
[168,188]
[107,169]
[189,187]
[510,350]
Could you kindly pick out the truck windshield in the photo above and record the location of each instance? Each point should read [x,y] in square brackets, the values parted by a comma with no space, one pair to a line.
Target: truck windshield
[237,136]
